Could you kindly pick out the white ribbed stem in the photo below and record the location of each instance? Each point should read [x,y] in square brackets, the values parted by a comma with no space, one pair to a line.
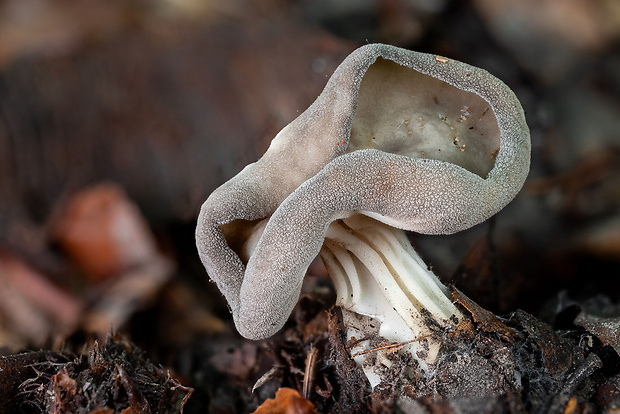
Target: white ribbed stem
[377,273]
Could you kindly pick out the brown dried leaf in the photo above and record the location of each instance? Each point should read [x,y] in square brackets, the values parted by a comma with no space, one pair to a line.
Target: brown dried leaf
[104,232]
[487,321]
[286,401]
[571,406]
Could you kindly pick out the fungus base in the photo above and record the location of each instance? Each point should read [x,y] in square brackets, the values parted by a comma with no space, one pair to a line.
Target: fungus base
[391,302]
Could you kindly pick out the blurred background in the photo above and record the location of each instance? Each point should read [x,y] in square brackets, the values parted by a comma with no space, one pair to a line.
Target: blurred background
[118,118]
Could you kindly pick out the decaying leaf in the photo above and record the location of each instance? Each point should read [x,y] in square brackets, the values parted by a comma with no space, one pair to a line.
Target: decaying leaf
[286,401]
[485,320]
[104,232]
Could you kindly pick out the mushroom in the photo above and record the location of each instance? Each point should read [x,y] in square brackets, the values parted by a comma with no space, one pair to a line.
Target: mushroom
[397,140]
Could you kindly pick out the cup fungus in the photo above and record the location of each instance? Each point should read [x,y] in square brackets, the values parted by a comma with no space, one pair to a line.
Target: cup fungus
[397,140]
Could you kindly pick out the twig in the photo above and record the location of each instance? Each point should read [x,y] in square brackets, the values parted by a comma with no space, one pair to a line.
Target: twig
[389,346]
[309,371]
